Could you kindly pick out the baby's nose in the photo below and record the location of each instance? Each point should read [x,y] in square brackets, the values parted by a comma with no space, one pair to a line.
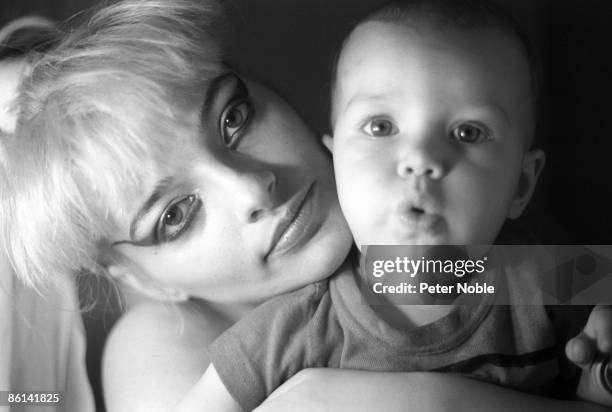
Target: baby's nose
[420,163]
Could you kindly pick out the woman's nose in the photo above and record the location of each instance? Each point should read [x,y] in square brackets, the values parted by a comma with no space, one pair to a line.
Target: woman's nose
[253,193]
[424,159]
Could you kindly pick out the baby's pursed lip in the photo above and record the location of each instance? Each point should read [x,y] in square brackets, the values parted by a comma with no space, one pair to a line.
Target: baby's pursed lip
[419,214]
[417,204]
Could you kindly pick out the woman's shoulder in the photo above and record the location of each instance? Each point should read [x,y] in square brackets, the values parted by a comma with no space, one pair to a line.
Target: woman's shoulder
[158,325]
[155,353]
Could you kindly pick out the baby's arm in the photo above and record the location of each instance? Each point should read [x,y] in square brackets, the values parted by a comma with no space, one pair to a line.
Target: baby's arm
[593,343]
[209,394]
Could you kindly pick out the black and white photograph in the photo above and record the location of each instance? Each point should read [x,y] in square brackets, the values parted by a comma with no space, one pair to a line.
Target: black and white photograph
[305,205]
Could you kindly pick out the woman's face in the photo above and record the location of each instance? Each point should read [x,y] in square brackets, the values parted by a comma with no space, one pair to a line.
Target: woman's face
[252,209]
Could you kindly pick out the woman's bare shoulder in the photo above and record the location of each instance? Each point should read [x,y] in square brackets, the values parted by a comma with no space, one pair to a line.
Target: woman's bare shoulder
[155,353]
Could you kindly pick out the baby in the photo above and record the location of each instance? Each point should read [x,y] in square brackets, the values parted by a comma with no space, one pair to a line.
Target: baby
[433,118]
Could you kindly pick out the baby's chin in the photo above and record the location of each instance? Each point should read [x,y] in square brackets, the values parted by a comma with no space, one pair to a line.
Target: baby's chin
[427,239]
[411,239]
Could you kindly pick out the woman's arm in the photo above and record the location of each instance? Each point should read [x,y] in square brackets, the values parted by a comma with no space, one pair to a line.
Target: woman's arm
[319,389]
[154,356]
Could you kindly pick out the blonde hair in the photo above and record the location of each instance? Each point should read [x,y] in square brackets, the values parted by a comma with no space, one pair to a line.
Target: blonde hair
[98,117]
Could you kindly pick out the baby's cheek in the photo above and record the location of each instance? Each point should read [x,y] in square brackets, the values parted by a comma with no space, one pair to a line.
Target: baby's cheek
[364,178]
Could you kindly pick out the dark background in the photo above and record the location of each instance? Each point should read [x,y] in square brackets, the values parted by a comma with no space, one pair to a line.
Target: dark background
[291,44]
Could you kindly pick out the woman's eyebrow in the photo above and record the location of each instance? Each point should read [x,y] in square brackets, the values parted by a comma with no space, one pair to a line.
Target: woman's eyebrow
[158,191]
[214,88]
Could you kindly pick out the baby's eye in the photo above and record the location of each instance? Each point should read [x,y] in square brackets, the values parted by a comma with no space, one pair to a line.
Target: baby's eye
[234,120]
[177,217]
[380,127]
[469,133]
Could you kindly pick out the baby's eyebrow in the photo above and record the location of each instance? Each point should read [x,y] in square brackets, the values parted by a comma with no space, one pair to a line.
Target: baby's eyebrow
[370,97]
[493,109]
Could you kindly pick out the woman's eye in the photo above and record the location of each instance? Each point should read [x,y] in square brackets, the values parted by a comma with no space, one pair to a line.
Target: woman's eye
[380,128]
[469,133]
[176,218]
[234,120]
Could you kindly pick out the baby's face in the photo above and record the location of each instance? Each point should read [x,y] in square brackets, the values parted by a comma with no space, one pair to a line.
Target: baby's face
[430,134]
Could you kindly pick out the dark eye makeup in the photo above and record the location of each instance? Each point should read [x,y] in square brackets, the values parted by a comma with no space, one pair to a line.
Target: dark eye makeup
[236,115]
[176,218]
[174,221]
[228,98]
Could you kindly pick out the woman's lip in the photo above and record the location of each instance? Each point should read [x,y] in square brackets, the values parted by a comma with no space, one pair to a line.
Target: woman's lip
[294,226]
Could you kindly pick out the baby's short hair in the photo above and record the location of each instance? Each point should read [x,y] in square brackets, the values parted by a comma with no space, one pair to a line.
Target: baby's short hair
[458,15]
[98,117]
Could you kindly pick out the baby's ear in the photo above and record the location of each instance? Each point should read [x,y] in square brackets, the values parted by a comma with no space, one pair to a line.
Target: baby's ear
[145,286]
[533,163]
[328,141]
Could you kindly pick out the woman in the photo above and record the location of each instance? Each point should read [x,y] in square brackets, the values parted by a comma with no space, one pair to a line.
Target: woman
[141,155]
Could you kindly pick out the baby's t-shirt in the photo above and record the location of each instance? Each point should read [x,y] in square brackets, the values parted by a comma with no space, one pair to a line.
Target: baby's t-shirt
[326,324]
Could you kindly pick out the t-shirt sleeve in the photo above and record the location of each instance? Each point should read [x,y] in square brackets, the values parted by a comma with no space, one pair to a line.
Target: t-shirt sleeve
[267,347]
